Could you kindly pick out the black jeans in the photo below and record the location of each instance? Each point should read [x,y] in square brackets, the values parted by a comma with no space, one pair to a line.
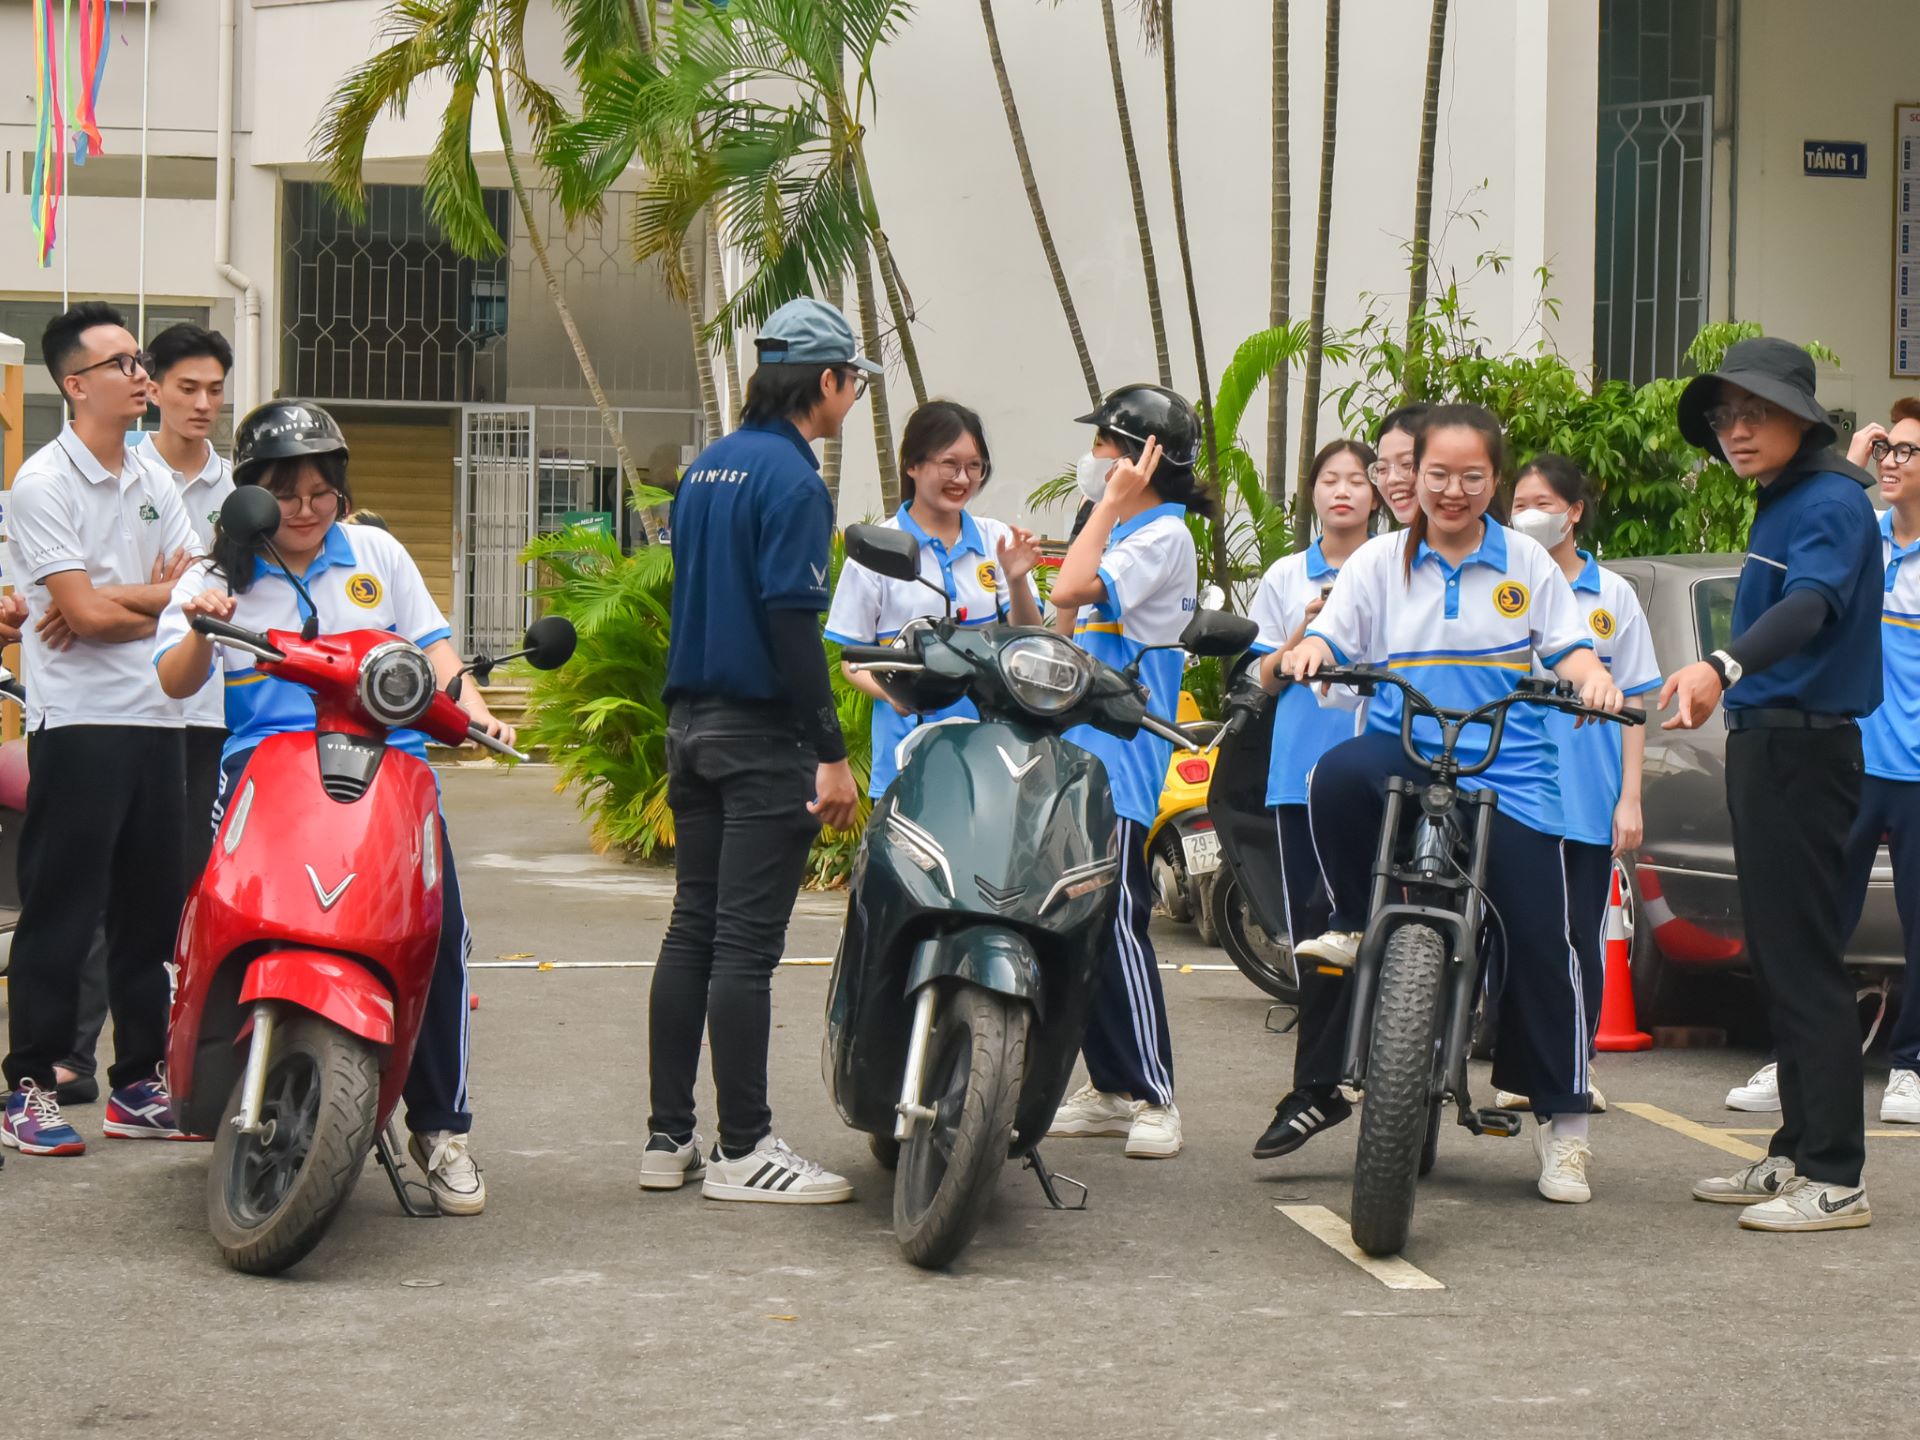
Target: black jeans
[203,783]
[738,780]
[1793,795]
[101,840]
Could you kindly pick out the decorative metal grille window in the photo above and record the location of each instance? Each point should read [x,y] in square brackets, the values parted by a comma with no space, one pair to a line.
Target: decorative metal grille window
[383,308]
[1654,171]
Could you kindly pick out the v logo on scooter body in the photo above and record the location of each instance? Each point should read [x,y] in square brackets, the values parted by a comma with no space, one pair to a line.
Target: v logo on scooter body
[329,898]
[1016,771]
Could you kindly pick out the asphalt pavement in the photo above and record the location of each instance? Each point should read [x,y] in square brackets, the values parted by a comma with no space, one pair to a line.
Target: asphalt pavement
[1193,1297]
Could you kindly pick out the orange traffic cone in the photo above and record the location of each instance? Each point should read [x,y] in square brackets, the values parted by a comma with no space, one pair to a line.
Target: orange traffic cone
[1619,1027]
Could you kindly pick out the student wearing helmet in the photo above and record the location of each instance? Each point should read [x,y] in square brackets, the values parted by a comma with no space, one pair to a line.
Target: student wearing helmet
[360,578]
[1133,575]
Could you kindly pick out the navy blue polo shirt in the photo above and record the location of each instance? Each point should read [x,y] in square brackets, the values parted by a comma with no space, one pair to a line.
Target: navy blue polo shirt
[1815,530]
[752,528]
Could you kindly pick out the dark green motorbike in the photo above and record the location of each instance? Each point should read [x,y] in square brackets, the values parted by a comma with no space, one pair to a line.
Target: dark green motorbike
[981,900]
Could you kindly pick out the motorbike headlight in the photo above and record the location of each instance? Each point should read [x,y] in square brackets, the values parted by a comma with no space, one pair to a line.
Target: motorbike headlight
[397,684]
[1045,673]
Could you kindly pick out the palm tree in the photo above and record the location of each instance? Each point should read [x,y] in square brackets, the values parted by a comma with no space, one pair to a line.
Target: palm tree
[1218,531]
[1317,320]
[1423,186]
[478,48]
[1033,201]
[1163,357]
[1280,284]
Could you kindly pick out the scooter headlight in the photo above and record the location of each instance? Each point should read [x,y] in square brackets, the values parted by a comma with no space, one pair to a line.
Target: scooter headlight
[397,684]
[1045,673]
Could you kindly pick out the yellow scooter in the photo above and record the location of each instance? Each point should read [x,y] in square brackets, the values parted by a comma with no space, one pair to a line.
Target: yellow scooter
[1183,852]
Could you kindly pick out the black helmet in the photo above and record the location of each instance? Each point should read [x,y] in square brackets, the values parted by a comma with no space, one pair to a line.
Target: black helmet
[1135,412]
[281,430]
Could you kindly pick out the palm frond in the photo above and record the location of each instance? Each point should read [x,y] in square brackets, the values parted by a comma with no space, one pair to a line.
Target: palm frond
[453,191]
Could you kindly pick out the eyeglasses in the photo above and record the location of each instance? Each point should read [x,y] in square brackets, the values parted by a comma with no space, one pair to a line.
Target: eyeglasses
[1381,471]
[125,364]
[323,503]
[1722,418]
[859,379]
[1472,482]
[949,471]
[1902,453]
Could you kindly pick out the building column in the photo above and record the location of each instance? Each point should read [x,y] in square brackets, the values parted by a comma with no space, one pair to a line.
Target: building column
[1556,98]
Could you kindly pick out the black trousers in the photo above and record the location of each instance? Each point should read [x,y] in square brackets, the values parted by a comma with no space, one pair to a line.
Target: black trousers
[739,780]
[101,842]
[203,783]
[1794,795]
[1326,1001]
[1589,894]
[1891,808]
[1127,1047]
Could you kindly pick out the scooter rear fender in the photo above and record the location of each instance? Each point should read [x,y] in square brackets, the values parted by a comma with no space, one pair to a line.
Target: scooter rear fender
[333,987]
[991,957]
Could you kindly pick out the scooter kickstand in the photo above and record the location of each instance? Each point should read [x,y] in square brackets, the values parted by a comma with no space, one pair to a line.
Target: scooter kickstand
[388,1154]
[1049,1179]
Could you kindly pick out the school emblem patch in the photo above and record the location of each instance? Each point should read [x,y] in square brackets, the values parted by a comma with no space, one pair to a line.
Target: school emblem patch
[147,512]
[1602,623]
[363,590]
[1510,598]
[989,577]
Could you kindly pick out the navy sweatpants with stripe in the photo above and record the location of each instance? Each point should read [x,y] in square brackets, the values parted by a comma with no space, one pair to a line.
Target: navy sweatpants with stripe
[1127,1047]
[436,1088]
[1540,1049]
[1891,808]
[1326,1001]
[1589,893]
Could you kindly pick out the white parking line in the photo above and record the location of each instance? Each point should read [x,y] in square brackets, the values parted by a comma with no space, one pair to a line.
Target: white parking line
[1330,1230]
[1692,1129]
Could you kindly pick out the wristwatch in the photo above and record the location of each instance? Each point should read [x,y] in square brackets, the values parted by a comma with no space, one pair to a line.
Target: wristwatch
[1726,667]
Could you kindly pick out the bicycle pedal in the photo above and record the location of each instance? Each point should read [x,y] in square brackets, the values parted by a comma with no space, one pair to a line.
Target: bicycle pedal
[1503,1123]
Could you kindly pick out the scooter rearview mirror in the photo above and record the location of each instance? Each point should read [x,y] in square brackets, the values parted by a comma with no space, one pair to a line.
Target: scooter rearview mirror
[885,551]
[550,642]
[250,515]
[1214,632]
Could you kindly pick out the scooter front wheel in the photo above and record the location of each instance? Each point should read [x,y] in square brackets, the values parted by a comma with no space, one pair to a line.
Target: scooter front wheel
[271,1196]
[951,1163]
[1398,1114]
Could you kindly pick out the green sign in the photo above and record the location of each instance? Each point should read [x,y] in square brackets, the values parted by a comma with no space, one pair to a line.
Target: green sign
[597,520]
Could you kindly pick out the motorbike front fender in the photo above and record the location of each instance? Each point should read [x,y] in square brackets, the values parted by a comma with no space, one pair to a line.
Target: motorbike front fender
[333,987]
[991,957]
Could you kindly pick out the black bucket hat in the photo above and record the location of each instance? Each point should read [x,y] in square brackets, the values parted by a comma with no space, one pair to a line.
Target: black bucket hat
[1778,371]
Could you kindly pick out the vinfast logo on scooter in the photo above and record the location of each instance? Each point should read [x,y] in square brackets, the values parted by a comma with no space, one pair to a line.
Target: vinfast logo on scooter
[329,898]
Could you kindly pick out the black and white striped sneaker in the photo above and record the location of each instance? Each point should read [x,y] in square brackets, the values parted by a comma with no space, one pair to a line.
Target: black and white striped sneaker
[1297,1119]
[773,1173]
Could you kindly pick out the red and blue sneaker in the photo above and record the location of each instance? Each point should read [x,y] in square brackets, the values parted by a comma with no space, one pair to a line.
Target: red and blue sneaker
[142,1111]
[32,1124]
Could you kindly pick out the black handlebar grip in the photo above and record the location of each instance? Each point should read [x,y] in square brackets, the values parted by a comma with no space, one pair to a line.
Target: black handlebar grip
[222,630]
[872,654]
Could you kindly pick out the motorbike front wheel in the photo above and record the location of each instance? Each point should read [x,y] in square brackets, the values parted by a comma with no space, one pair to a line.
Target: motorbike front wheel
[1399,1111]
[1267,962]
[951,1163]
[270,1198]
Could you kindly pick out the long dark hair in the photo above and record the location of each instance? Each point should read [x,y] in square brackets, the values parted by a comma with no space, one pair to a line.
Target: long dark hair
[1477,418]
[1360,451]
[932,428]
[1565,479]
[234,560]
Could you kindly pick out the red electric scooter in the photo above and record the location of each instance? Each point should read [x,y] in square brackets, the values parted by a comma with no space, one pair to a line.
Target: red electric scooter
[307,947]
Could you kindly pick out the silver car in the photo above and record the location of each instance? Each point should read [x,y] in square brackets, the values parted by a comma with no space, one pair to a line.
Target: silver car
[1686,905]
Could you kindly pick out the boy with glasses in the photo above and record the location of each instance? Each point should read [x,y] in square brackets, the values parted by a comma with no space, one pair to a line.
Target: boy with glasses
[89,528]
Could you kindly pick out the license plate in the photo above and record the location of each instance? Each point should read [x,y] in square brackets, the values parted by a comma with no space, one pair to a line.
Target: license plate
[1203,852]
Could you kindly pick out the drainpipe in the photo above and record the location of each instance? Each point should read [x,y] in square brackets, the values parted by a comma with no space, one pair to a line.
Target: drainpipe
[223,219]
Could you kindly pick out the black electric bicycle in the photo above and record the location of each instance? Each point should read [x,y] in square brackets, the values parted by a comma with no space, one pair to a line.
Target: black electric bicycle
[1419,971]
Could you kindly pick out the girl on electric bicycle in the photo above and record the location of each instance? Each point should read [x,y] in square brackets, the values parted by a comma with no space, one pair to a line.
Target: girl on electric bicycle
[1466,606]
[1599,764]
[361,578]
[1291,595]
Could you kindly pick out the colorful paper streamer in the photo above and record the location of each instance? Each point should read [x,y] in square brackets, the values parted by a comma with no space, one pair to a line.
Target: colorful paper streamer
[70,39]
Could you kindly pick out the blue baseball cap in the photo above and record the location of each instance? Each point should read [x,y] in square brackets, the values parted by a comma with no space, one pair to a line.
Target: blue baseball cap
[810,332]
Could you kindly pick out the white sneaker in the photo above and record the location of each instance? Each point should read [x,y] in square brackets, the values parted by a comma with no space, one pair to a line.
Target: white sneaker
[1563,1166]
[1901,1104]
[667,1166]
[1155,1133]
[773,1173]
[1507,1100]
[1760,1095]
[1804,1204]
[457,1185]
[1094,1112]
[1761,1180]
[1337,948]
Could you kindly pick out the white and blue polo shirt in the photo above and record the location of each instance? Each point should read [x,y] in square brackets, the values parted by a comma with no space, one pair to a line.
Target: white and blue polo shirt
[870,609]
[1152,575]
[1891,734]
[1464,635]
[1590,755]
[1303,730]
[362,579]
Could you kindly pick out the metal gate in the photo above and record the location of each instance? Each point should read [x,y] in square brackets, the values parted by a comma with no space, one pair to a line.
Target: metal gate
[1653,233]
[492,584]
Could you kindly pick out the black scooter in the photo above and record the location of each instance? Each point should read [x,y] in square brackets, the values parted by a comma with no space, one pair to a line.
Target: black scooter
[980,901]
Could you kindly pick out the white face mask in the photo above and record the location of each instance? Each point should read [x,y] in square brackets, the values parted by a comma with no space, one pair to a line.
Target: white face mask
[1092,472]
[1545,526]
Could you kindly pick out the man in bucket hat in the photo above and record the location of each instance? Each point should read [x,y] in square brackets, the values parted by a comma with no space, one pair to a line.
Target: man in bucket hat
[1801,669]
